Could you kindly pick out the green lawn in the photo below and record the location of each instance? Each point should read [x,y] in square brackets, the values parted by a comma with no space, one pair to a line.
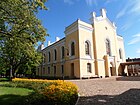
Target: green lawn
[13,96]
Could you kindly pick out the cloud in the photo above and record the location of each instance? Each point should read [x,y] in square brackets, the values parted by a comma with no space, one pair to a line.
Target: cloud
[136,39]
[138,51]
[88,2]
[123,11]
[109,1]
[131,7]
[136,6]
[69,2]
[91,2]
[126,26]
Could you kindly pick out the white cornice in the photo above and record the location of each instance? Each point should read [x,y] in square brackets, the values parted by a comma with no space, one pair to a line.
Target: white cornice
[54,45]
[119,38]
[77,26]
[100,18]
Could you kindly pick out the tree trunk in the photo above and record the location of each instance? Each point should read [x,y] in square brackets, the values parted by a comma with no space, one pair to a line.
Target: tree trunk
[11,74]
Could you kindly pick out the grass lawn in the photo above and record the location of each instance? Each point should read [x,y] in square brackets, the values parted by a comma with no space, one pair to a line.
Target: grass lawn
[13,96]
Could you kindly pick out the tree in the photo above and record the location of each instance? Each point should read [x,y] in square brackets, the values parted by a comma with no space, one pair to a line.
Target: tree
[20,30]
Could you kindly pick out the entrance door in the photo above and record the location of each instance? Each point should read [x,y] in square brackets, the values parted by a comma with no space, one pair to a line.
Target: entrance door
[111,71]
[72,69]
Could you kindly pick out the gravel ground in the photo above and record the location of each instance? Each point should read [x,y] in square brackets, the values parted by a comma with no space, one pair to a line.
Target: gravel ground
[109,91]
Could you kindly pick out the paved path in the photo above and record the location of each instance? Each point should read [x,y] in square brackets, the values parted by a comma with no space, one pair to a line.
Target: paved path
[109,91]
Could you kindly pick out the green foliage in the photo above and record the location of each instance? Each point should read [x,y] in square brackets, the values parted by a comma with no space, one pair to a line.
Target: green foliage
[4,79]
[20,30]
[15,91]
[48,92]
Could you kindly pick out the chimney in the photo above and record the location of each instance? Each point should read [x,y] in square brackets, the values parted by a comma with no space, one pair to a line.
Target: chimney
[57,39]
[49,43]
[42,46]
[103,13]
[93,16]
[114,24]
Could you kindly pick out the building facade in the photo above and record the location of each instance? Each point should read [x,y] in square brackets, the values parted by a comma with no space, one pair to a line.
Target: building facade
[87,50]
[133,66]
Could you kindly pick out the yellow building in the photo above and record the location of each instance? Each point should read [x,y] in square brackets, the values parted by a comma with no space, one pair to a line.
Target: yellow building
[87,50]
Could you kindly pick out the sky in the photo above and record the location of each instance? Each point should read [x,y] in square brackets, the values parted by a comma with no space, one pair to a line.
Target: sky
[125,13]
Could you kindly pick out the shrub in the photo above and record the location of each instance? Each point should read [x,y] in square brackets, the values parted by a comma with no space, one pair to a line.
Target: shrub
[49,92]
[61,93]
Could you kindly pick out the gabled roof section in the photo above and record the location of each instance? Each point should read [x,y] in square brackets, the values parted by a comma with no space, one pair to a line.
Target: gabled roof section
[101,18]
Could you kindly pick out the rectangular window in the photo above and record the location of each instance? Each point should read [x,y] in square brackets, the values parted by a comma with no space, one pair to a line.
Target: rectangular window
[55,54]
[63,52]
[54,69]
[49,56]
[48,70]
[89,67]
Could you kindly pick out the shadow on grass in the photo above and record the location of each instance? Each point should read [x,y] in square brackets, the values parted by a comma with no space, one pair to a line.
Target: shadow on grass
[128,78]
[31,99]
[11,99]
[130,97]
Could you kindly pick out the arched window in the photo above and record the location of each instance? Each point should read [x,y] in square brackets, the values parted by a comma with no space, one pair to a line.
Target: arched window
[89,67]
[63,51]
[120,53]
[108,50]
[87,48]
[55,54]
[72,49]
[49,56]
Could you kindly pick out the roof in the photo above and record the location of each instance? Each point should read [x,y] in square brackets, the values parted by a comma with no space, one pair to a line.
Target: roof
[130,63]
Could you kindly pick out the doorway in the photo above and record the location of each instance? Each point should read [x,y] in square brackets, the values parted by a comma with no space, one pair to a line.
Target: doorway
[111,71]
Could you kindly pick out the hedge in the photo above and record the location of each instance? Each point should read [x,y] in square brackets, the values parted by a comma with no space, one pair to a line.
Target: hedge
[48,92]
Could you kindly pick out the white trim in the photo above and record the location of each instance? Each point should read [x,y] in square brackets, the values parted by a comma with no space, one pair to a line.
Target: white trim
[59,43]
[100,18]
[72,57]
[86,59]
[88,56]
[83,27]
[69,31]
[78,25]
[100,60]
[119,38]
